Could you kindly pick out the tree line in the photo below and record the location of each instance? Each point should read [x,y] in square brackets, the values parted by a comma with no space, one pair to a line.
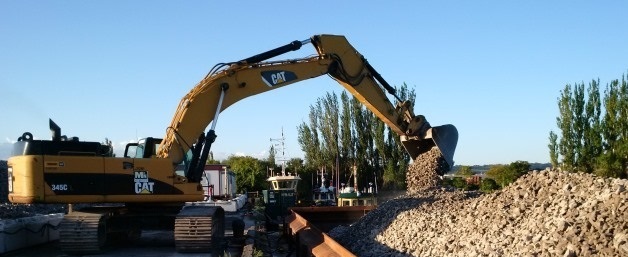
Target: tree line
[592,134]
[342,135]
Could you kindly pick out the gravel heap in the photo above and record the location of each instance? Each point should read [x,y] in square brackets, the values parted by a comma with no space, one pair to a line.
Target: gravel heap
[424,173]
[544,213]
[12,211]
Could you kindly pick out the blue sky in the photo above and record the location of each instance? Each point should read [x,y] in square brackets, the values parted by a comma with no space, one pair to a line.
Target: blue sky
[118,69]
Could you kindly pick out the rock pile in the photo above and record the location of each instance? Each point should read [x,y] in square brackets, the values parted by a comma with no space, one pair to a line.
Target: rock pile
[546,213]
[425,171]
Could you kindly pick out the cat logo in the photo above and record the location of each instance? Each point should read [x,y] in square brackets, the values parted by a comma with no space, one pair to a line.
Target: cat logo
[142,184]
[275,77]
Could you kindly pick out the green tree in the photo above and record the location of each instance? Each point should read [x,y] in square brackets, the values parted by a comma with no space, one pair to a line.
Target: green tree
[250,172]
[272,153]
[519,168]
[362,137]
[565,124]
[593,133]
[488,185]
[471,187]
[319,138]
[295,165]
[592,137]
[447,182]
[465,171]
[395,160]
[578,125]
[553,148]
[459,182]
[615,130]
[347,153]
[622,149]
[348,131]
[499,174]
[109,145]
[506,174]
[309,140]
[329,126]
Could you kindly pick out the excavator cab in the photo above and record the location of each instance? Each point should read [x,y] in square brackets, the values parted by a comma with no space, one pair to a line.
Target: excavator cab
[145,148]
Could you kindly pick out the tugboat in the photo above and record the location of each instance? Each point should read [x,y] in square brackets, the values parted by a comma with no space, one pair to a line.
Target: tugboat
[351,196]
[282,192]
[325,195]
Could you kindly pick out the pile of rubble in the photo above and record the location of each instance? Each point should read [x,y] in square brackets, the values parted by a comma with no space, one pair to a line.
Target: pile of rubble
[424,173]
[544,213]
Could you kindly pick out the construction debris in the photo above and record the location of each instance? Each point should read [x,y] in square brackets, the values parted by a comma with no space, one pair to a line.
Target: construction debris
[544,213]
[424,173]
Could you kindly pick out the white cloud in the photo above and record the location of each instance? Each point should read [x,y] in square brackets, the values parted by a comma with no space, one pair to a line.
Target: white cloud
[260,155]
[118,148]
[5,150]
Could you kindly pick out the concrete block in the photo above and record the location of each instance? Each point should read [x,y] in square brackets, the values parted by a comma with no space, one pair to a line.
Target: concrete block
[24,232]
[12,235]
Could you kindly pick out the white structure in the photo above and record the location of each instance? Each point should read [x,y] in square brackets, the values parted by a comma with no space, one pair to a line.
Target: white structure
[219,182]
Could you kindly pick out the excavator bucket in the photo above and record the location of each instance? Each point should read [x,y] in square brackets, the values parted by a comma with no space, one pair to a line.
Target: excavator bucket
[444,137]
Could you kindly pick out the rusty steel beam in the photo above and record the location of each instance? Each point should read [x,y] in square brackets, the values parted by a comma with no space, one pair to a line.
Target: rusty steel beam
[313,241]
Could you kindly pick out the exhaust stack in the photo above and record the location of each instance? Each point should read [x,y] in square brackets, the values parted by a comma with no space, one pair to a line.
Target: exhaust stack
[55,130]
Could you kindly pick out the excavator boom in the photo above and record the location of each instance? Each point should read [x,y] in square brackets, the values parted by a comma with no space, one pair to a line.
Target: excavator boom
[232,82]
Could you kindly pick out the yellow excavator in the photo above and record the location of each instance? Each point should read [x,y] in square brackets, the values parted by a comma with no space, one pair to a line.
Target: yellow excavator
[147,180]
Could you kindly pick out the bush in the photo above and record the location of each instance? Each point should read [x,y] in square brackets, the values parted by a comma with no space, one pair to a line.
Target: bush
[447,182]
[459,182]
[488,185]
[471,187]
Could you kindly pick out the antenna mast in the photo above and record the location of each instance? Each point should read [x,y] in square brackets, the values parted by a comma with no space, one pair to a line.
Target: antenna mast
[281,144]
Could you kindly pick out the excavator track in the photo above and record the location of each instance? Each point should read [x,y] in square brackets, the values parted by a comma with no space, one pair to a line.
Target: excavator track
[199,229]
[83,233]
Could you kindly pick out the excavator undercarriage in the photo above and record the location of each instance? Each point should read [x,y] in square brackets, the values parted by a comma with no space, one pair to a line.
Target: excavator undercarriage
[92,230]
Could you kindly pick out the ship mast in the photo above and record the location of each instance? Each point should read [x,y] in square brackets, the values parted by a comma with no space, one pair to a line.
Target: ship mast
[281,142]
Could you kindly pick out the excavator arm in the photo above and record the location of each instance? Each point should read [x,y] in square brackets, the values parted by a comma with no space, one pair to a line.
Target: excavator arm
[231,82]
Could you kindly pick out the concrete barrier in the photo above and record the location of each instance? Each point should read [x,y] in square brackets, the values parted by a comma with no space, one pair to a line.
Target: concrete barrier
[232,205]
[24,232]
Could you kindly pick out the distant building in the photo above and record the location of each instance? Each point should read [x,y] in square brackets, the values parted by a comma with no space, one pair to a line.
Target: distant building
[474,180]
[218,182]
